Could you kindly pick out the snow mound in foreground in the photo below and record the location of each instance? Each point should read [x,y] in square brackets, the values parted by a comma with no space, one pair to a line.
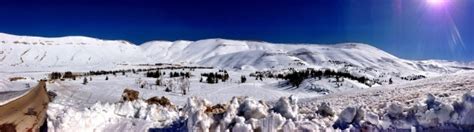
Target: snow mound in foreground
[246,114]
[124,116]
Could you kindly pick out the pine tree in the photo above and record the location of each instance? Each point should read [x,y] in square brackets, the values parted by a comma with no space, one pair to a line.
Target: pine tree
[243,79]
[85,81]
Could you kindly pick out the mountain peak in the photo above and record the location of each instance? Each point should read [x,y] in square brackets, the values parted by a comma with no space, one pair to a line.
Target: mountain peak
[20,39]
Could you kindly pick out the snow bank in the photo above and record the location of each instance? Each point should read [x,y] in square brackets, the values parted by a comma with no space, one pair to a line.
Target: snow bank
[427,115]
[246,114]
[126,116]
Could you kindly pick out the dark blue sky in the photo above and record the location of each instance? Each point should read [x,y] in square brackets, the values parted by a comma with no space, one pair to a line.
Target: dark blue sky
[409,29]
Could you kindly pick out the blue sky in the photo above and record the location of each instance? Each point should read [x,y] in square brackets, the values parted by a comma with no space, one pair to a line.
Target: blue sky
[411,29]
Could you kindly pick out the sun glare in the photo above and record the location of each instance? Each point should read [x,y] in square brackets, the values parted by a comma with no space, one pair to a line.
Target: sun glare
[435,2]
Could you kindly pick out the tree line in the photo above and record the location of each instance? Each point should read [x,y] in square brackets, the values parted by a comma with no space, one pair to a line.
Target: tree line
[296,77]
[214,77]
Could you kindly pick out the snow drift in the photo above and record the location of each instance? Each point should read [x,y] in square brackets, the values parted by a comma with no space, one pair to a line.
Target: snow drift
[247,114]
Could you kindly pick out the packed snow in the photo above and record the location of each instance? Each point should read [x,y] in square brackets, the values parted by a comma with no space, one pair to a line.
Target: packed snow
[432,111]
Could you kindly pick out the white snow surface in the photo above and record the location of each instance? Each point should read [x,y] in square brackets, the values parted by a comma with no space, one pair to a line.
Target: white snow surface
[430,104]
[40,53]
[442,100]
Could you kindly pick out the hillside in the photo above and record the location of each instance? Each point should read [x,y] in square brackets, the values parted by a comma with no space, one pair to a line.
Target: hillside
[65,51]
[76,51]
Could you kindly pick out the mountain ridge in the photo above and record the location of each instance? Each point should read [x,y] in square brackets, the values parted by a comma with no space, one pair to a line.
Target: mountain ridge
[218,52]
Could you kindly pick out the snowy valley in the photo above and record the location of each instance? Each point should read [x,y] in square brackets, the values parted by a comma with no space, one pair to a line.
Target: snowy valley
[234,85]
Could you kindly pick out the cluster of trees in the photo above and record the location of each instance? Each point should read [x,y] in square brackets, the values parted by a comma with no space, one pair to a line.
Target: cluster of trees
[65,75]
[413,77]
[180,74]
[152,72]
[214,77]
[295,78]
[113,72]
[148,70]
[158,74]
[155,74]
[55,75]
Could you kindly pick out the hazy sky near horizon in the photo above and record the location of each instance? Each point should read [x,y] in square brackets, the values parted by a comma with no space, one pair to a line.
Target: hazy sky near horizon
[411,29]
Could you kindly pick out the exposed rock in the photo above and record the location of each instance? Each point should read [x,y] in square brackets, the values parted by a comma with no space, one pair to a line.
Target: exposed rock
[16,78]
[129,95]
[216,109]
[163,101]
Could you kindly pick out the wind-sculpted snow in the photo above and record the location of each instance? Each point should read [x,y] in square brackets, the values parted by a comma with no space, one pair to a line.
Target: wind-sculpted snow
[246,114]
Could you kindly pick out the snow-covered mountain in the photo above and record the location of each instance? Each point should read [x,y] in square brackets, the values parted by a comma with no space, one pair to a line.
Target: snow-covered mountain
[224,53]
[65,51]
[221,53]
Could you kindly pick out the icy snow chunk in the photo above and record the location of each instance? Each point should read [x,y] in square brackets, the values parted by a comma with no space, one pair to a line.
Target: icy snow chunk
[250,108]
[307,126]
[431,101]
[230,114]
[360,115]
[125,109]
[433,117]
[289,126]
[465,109]
[345,118]
[287,107]
[395,111]
[272,123]
[197,119]
[372,118]
[348,114]
[325,110]
[240,126]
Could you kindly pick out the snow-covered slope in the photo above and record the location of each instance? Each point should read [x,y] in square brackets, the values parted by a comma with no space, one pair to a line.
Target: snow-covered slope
[65,51]
[74,51]
[262,55]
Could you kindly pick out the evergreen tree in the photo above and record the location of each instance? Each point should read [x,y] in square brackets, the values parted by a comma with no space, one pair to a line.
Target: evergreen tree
[243,79]
[85,81]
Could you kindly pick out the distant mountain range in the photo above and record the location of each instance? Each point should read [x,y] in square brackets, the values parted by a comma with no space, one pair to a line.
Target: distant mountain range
[75,51]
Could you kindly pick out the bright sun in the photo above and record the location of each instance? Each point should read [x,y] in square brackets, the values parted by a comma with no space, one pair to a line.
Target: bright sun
[435,2]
